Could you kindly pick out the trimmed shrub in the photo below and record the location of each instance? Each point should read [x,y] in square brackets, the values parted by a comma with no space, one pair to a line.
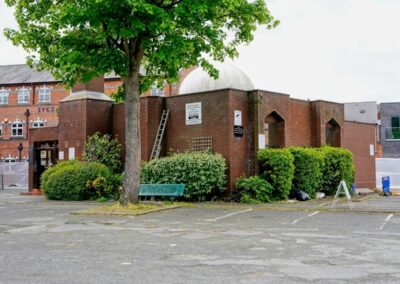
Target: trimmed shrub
[308,167]
[68,180]
[277,168]
[253,190]
[202,173]
[338,166]
[105,150]
[44,178]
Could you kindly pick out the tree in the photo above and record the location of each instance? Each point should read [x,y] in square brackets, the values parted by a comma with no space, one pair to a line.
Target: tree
[80,39]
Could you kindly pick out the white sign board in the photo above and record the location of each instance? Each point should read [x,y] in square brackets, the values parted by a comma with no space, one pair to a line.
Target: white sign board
[343,185]
[61,155]
[238,118]
[371,150]
[193,113]
[71,153]
[261,141]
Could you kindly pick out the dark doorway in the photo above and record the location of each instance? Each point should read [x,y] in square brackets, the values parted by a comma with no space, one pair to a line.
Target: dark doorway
[44,156]
[332,133]
[274,130]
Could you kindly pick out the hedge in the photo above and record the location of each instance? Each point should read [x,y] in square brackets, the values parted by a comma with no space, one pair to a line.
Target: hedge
[253,190]
[202,173]
[277,169]
[69,180]
[308,167]
[338,165]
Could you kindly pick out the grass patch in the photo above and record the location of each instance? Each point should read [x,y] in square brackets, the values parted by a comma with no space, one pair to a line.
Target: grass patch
[131,209]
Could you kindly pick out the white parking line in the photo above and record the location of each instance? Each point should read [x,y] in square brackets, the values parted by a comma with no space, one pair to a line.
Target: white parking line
[228,215]
[312,214]
[386,221]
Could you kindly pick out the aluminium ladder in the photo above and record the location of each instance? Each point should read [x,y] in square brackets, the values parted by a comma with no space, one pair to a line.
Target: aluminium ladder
[155,153]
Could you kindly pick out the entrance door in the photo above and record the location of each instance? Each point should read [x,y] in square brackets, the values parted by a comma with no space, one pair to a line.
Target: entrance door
[45,156]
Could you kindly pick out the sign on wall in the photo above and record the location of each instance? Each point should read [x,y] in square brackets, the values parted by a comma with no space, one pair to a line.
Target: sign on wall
[371,150]
[61,155]
[238,118]
[71,153]
[193,113]
[261,141]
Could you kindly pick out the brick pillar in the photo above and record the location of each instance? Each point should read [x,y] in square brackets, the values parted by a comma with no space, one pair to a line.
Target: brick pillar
[85,111]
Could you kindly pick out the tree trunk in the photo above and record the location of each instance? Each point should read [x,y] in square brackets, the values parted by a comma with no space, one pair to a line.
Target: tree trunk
[131,183]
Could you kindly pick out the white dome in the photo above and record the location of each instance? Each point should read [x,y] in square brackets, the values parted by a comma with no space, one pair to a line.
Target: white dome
[230,77]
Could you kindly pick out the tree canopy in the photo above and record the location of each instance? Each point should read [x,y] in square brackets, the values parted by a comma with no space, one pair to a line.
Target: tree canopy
[80,39]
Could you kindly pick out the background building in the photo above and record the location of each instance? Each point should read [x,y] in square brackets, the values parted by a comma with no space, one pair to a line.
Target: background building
[389,114]
[30,99]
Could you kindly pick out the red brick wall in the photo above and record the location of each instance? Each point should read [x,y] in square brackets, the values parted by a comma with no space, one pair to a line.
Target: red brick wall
[150,114]
[268,102]
[323,112]
[240,156]
[82,118]
[300,129]
[357,138]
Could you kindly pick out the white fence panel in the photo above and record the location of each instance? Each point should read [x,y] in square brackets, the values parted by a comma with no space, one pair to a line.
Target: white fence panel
[388,167]
[15,173]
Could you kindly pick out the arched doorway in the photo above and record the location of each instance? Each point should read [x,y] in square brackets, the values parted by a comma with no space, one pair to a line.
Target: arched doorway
[332,133]
[274,130]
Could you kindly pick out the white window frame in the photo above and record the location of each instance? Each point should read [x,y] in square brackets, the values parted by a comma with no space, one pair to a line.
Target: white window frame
[24,96]
[38,123]
[44,92]
[4,96]
[155,91]
[15,126]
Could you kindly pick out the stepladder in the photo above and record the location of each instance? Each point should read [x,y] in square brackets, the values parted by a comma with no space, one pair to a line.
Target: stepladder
[155,152]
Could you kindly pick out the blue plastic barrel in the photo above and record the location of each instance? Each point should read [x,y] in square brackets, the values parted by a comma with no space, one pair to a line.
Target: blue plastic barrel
[386,184]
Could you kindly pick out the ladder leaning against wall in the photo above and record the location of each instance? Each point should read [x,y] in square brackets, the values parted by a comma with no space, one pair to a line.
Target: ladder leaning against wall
[155,153]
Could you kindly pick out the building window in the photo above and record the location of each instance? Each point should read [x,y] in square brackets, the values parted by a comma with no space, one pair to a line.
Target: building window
[44,95]
[4,97]
[16,129]
[23,96]
[395,130]
[274,131]
[200,144]
[1,130]
[332,133]
[157,91]
[38,124]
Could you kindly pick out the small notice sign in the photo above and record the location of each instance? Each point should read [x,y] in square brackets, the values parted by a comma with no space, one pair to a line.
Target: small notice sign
[238,131]
[71,153]
[61,155]
[261,141]
[193,113]
[238,118]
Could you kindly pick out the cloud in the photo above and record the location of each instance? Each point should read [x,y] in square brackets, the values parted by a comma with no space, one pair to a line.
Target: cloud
[323,49]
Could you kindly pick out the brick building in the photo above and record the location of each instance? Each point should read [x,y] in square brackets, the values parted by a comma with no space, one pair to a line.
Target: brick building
[390,129]
[226,115]
[30,99]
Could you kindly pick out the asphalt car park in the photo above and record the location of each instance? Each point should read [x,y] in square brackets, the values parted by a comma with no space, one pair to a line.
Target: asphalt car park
[41,242]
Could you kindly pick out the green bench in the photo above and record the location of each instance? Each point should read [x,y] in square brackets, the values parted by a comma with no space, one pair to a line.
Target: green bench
[152,190]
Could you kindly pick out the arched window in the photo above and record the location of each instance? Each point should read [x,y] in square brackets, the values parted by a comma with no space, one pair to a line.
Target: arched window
[274,130]
[332,133]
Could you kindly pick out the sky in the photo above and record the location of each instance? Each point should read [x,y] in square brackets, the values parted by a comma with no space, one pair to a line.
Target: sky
[336,50]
